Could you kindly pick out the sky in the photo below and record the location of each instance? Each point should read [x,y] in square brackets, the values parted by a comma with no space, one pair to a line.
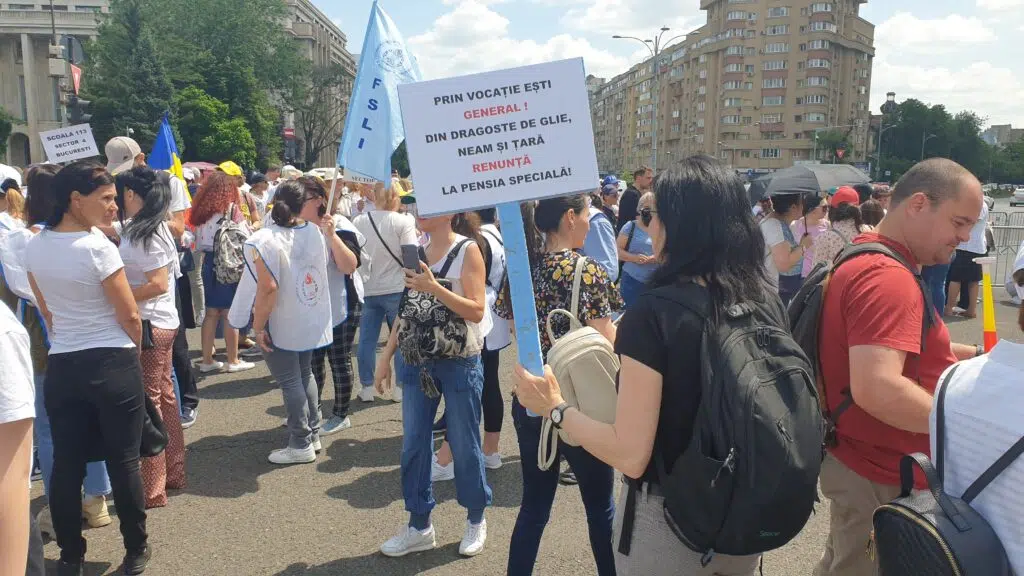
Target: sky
[965,54]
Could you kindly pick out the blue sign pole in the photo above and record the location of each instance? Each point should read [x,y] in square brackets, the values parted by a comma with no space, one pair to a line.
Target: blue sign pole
[520,279]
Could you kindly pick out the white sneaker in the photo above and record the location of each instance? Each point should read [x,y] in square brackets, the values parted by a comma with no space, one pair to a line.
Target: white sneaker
[335,424]
[317,446]
[293,456]
[366,393]
[474,538]
[492,461]
[409,540]
[214,366]
[240,366]
[440,473]
[396,394]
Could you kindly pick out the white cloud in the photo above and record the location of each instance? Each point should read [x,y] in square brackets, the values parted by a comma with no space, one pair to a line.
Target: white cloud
[999,4]
[986,89]
[474,38]
[905,31]
[641,18]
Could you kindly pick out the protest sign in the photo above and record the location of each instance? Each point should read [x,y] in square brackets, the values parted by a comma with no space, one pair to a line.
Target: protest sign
[69,144]
[498,139]
[505,136]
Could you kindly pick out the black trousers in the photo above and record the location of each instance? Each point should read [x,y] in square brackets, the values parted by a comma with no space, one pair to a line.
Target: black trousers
[94,399]
[179,353]
[35,566]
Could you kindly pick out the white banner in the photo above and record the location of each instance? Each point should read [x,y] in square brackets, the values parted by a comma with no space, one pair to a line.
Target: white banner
[69,144]
[506,136]
[357,177]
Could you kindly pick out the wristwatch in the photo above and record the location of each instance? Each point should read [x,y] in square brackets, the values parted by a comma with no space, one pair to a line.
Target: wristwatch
[979,350]
[558,413]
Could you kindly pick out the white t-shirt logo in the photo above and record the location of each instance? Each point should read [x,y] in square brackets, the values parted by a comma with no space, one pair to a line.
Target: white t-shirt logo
[309,285]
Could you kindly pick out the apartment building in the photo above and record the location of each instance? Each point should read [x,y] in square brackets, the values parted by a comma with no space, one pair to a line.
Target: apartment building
[28,91]
[752,86]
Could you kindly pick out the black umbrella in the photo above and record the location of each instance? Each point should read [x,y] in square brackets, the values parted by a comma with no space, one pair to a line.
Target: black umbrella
[805,178]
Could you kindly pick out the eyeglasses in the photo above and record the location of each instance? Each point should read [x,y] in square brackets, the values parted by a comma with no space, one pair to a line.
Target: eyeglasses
[646,215]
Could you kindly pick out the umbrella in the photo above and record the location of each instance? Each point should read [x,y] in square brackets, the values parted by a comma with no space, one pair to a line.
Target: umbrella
[202,166]
[805,178]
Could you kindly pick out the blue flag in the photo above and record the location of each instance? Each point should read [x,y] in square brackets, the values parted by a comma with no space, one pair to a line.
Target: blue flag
[165,151]
[373,128]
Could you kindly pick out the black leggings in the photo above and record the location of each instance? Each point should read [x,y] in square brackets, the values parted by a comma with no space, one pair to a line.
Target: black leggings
[94,399]
[492,402]
[180,361]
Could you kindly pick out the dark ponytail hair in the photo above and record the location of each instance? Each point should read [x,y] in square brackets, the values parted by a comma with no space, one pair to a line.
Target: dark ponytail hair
[155,190]
[846,211]
[288,202]
[82,176]
[468,224]
[544,218]
[39,204]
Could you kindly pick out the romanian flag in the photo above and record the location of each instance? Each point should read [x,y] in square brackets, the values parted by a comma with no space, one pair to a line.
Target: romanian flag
[165,152]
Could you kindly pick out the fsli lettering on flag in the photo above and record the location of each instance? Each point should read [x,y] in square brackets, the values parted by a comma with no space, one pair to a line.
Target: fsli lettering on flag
[373,127]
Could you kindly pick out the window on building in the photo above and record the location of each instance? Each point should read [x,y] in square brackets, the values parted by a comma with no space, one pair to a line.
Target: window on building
[776,48]
[675,113]
[817,81]
[703,74]
[21,6]
[748,85]
[734,51]
[772,101]
[749,33]
[734,67]
[799,117]
[771,118]
[751,51]
[771,153]
[733,119]
[779,30]
[816,117]
[816,99]
[56,8]
[731,102]
[747,120]
[701,106]
[731,85]
[819,63]
[749,68]
[736,15]
[700,122]
[702,58]
[775,65]
[778,12]
[819,44]
[803,47]
[773,83]
[81,8]
[821,7]
[702,90]
[822,27]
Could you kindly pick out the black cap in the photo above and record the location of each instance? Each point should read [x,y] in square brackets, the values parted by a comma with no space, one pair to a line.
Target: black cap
[256,178]
[7,185]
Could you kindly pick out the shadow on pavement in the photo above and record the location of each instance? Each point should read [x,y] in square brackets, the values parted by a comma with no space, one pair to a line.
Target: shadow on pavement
[377,563]
[342,454]
[237,389]
[90,568]
[229,466]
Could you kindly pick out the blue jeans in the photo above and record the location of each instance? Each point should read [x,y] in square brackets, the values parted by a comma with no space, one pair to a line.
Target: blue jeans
[461,381]
[630,287]
[935,280]
[595,481]
[375,310]
[97,483]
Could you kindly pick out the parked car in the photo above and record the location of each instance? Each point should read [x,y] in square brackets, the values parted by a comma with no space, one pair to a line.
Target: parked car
[1017,198]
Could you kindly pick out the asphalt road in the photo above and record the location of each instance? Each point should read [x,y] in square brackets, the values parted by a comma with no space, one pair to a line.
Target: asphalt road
[240,515]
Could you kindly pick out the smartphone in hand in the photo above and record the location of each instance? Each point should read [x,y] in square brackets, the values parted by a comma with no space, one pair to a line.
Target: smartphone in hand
[411,257]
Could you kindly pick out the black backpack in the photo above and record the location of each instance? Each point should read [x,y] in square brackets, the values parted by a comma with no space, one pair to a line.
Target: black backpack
[932,532]
[805,322]
[747,481]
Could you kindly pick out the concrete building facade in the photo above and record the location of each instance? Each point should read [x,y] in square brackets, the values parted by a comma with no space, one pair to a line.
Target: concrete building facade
[752,86]
[28,91]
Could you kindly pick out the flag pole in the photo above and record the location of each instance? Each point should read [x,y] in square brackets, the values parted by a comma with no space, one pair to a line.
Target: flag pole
[334,186]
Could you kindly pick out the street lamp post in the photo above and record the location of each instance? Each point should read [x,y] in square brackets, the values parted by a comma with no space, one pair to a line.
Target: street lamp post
[888,107]
[925,137]
[654,46]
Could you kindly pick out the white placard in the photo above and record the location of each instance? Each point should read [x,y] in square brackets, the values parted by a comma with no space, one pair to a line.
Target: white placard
[69,144]
[506,136]
[357,177]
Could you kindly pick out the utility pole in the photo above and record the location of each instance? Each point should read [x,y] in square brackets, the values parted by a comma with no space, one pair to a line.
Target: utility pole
[925,137]
[655,45]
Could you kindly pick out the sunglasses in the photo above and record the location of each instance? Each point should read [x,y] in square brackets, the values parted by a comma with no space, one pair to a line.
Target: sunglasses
[646,215]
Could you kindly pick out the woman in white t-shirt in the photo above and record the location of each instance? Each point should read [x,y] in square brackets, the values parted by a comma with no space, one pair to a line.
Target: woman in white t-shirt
[94,390]
[385,231]
[151,264]
[292,308]
[456,373]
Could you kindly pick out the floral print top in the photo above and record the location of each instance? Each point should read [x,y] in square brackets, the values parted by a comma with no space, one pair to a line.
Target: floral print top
[552,287]
[829,244]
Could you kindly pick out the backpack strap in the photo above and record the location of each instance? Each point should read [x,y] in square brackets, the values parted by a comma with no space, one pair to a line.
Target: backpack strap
[452,255]
[577,279]
[934,486]
[994,470]
[381,238]
[940,423]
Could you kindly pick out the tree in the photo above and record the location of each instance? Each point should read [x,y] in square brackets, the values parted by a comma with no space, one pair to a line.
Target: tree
[320,110]
[197,115]
[125,79]
[831,141]
[6,127]
[400,160]
[229,140]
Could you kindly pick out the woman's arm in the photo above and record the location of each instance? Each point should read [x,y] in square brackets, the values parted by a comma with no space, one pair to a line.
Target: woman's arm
[343,258]
[266,296]
[119,294]
[157,282]
[627,444]
[41,303]
[471,307]
[624,255]
[15,461]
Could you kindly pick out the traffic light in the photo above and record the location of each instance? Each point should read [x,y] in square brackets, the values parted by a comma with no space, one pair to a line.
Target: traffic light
[77,110]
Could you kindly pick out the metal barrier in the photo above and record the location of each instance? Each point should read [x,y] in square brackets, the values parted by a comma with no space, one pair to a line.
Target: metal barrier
[1008,232]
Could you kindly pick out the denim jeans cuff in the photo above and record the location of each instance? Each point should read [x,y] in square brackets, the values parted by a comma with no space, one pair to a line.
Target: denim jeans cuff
[475,516]
[419,521]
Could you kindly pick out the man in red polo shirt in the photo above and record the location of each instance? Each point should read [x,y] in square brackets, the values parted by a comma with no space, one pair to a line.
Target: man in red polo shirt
[871,346]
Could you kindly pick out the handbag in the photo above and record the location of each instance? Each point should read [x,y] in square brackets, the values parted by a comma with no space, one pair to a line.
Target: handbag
[154,434]
[147,335]
[429,330]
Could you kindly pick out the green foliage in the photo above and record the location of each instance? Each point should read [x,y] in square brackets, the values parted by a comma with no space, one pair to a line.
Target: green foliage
[400,160]
[229,140]
[197,115]
[830,141]
[6,127]
[124,77]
